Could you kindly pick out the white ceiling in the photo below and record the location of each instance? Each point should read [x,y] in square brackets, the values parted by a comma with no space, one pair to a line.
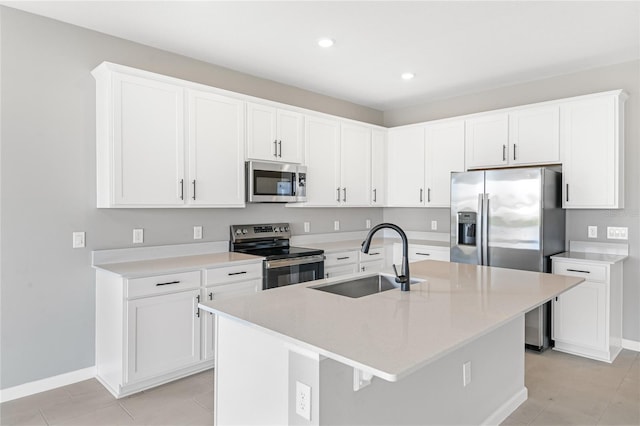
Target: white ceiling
[452,47]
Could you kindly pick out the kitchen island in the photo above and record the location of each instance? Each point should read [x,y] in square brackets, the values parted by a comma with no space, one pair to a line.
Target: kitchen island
[450,351]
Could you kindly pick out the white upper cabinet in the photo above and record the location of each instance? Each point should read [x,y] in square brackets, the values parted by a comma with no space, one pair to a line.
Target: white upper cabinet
[444,144]
[216,151]
[406,167]
[162,144]
[534,135]
[487,140]
[274,134]
[141,162]
[355,165]
[323,163]
[592,138]
[378,167]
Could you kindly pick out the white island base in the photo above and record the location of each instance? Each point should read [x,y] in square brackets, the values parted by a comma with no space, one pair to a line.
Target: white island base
[257,372]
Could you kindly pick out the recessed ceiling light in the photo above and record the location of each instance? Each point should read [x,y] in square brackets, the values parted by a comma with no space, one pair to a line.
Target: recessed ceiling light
[325,42]
[407,75]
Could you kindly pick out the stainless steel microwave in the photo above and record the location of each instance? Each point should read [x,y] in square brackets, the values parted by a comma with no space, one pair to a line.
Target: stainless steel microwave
[275,182]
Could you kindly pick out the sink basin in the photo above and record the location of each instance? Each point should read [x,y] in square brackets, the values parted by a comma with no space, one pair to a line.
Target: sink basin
[363,286]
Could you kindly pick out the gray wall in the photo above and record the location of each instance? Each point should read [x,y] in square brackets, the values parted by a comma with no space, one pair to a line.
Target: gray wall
[48,186]
[622,76]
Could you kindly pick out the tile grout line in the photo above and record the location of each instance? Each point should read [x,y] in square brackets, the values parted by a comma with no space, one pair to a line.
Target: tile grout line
[43,417]
[126,411]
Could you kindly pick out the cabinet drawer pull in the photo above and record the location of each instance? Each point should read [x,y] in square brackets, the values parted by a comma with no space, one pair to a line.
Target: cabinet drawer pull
[237,273]
[168,283]
[578,270]
[343,258]
[423,254]
[374,254]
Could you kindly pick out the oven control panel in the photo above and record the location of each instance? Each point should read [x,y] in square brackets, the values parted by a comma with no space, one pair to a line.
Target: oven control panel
[273,230]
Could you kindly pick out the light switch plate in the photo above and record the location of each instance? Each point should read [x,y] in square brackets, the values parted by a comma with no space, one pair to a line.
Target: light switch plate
[617,233]
[78,240]
[592,232]
[138,236]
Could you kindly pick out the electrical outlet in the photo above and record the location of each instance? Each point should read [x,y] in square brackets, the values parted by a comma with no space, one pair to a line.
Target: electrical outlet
[138,236]
[303,400]
[78,240]
[307,226]
[466,373]
[367,223]
[617,233]
[592,232]
[197,232]
[434,225]
[336,225]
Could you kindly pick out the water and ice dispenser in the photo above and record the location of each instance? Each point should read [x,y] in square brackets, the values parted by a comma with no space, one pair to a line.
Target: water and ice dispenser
[467,228]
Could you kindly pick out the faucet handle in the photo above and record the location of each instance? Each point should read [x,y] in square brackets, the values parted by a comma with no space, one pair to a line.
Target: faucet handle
[399,278]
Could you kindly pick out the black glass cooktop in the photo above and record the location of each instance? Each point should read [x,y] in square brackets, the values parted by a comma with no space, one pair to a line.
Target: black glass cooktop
[272,253]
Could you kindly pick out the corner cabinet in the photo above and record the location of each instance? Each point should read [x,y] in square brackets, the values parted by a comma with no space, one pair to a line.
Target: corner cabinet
[592,137]
[162,142]
[587,319]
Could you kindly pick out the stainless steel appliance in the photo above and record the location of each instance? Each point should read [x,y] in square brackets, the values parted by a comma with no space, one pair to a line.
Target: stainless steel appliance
[510,218]
[275,182]
[283,264]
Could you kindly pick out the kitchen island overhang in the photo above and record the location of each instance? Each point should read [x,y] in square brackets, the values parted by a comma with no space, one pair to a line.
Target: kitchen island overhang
[408,339]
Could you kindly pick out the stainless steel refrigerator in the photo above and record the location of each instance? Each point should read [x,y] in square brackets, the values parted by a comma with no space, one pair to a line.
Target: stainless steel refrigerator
[510,218]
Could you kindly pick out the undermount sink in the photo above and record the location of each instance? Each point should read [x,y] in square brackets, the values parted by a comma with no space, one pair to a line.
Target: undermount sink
[363,286]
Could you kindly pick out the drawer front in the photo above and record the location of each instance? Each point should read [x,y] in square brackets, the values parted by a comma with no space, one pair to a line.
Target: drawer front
[341,258]
[233,273]
[588,271]
[374,254]
[162,284]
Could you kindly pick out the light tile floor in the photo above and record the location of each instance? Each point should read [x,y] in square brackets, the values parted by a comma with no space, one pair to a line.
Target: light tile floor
[563,390]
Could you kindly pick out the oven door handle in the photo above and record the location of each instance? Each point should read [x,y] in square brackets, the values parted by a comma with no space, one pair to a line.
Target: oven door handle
[283,263]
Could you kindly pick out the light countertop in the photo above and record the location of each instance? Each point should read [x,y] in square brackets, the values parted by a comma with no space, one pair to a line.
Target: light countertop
[605,258]
[177,264]
[393,333]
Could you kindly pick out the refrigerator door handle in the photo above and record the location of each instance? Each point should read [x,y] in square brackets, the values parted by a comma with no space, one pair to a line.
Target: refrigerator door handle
[479,228]
[485,230]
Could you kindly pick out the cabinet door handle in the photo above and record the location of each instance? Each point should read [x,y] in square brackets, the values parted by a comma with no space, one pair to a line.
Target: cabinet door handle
[343,258]
[567,194]
[421,190]
[280,146]
[182,189]
[237,273]
[578,270]
[210,295]
[275,148]
[428,195]
[423,254]
[504,152]
[362,269]
[168,283]
[197,309]
[344,196]
[338,190]
[375,195]
[514,151]
[194,189]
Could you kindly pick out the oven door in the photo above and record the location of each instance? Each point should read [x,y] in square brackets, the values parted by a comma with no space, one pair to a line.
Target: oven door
[281,272]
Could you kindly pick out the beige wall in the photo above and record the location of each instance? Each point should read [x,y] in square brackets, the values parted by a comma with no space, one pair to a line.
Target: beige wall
[621,76]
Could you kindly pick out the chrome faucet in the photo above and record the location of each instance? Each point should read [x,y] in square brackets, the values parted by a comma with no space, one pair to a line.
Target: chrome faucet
[403,279]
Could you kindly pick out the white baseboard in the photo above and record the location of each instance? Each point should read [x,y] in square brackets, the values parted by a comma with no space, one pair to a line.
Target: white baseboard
[507,408]
[631,345]
[49,383]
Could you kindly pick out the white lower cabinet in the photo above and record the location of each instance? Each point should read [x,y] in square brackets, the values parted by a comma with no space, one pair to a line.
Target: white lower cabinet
[418,252]
[587,320]
[340,263]
[149,330]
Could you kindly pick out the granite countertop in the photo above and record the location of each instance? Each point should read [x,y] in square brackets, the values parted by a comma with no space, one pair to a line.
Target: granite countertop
[177,264]
[605,258]
[393,333]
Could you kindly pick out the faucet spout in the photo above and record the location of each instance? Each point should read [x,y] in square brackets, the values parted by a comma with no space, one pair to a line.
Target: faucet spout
[403,278]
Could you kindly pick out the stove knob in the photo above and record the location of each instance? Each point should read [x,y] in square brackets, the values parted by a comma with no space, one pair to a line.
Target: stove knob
[276,229]
[286,229]
[244,230]
[238,232]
